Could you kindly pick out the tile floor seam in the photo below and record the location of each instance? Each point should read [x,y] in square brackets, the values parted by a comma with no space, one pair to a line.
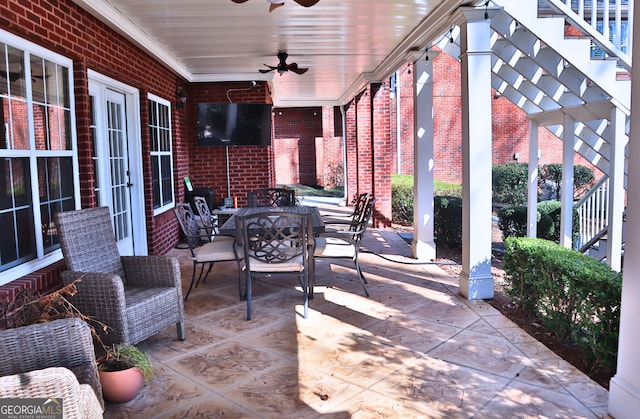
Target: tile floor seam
[234,334]
[247,378]
[293,382]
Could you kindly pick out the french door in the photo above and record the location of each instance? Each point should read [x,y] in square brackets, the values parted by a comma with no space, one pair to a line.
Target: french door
[117,159]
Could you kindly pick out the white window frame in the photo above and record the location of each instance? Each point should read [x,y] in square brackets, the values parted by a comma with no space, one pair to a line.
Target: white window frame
[160,101]
[42,260]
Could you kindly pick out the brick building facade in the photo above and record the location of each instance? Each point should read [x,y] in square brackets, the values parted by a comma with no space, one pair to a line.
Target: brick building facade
[307,144]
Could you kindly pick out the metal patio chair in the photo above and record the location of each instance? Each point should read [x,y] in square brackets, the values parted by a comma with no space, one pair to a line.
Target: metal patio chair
[272,197]
[220,249]
[345,244]
[276,243]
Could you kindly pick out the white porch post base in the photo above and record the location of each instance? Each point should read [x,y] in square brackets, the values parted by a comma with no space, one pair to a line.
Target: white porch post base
[477,286]
[624,399]
[423,250]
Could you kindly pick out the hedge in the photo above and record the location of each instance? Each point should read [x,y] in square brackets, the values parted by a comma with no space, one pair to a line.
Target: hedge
[572,294]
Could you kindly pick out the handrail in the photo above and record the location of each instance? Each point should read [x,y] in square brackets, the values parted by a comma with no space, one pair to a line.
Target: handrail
[609,26]
[593,212]
[594,240]
[591,190]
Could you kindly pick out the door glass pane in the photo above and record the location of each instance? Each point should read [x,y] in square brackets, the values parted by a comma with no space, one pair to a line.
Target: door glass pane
[119,175]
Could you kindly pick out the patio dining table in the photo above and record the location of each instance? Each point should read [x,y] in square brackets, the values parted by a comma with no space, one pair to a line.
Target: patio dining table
[229,227]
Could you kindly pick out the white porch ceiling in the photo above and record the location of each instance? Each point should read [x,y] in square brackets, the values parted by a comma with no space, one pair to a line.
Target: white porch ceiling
[345,43]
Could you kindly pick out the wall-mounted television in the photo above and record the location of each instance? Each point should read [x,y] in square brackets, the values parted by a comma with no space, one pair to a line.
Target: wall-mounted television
[233,124]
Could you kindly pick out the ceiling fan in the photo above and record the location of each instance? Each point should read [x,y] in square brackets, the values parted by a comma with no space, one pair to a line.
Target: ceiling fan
[283,67]
[274,4]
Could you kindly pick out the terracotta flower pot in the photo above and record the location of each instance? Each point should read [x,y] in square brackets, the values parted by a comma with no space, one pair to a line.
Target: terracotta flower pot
[121,386]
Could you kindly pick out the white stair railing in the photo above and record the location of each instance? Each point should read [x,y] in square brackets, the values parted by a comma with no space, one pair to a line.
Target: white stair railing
[593,212]
[611,24]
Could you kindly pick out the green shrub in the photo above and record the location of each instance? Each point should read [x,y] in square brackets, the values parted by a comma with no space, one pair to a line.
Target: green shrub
[512,221]
[447,220]
[572,294]
[402,199]
[447,189]
[551,175]
[510,183]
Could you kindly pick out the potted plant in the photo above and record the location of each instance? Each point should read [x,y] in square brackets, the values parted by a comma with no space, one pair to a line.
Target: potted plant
[123,370]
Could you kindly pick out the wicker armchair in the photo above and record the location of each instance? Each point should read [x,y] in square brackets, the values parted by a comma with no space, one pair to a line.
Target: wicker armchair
[53,359]
[135,296]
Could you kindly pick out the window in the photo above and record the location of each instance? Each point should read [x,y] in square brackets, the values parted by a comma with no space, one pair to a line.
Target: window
[38,166]
[161,154]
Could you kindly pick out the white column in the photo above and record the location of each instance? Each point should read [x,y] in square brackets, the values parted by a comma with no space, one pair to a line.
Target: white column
[624,389]
[423,245]
[616,189]
[476,281]
[566,198]
[532,200]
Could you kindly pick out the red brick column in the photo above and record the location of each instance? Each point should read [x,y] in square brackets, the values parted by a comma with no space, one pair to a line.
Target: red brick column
[351,144]
[382,153]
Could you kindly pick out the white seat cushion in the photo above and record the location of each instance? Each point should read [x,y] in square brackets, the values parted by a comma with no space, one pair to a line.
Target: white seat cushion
[293,265]
[333,247]
[223,238]
[217,250]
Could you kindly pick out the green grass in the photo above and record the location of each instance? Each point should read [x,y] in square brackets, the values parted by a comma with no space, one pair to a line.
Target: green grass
[440,188]
[306,190]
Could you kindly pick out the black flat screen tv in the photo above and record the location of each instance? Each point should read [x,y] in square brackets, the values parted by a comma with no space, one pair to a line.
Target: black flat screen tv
[234,124]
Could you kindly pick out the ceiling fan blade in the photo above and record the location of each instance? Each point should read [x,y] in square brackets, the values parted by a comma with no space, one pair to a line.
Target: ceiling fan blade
[263,70]
[274,6]
[306,3]
[298,70]
[239,1]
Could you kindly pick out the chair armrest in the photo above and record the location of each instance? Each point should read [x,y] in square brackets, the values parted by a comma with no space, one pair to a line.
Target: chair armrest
[343,235]
[78,401]
[152,271]
[60,343]
[101,297]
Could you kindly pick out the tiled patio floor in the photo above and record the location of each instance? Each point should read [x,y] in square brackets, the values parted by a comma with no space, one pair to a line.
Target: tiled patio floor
[414,349]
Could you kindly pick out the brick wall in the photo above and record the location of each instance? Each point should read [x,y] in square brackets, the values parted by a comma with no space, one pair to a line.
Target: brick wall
[405,91]
[65,28]
[295,131]
[43,281]
[382,153]
[329,149]
[510,128]
[250,167]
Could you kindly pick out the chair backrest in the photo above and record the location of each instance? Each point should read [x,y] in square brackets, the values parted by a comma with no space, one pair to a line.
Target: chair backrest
[88,242]
[272,197]
[360,206]
[275,237]
[361,226]
[206,218]
[188,224]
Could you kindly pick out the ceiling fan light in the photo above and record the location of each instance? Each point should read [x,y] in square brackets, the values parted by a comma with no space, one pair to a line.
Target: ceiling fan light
[276,1]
